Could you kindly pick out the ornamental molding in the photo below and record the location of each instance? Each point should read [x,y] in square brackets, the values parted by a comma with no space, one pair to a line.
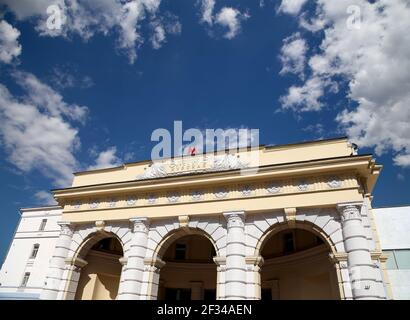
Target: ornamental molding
[221,193]
[173,197]
[334,182]
[94,204]
[193,164]
[246,190]
[131,201]
[112,203]
[197,195]
[273,188]
[213,193]
[303,185]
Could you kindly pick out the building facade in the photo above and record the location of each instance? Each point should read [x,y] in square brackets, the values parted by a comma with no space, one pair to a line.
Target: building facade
[281,222]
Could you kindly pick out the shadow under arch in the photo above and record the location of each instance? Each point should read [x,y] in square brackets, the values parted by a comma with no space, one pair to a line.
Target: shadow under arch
[189,271]
[99,257]
[175,234]
[304,272]
[91,240]
[305,225]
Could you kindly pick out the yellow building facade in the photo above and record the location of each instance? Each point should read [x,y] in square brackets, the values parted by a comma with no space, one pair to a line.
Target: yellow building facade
[278,222]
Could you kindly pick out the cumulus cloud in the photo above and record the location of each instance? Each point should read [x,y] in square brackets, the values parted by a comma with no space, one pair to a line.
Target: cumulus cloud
[9,45]
[87,18]
[227,17]
[37,138]
[291,6]
[106,159]
[230,18]
[371,54]
[207,9]
[293,54]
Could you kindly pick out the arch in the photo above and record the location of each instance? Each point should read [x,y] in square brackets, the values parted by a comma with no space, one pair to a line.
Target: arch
[324,222]
[91,240]
[308,226]
[179,233]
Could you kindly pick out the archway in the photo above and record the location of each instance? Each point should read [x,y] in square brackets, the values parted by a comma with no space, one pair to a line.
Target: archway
[297,266]
[189,272]
[100,277]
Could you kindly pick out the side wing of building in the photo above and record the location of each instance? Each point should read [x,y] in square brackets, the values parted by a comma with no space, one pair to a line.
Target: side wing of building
[24,269]
[393,225]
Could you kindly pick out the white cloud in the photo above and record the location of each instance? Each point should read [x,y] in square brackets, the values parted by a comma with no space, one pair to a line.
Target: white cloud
[36,139]
[374,59]
[291,6]
[230,18]
[207,8]
[89,17]
[106,159]
[9,46]
[227,17]
[293,55]
[45,198]
[158,38]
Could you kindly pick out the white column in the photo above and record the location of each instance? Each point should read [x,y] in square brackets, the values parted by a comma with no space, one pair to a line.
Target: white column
[235,274]
[361,269]
[130,285]
[151,278]
[253,277]
[57,263]
[220,277]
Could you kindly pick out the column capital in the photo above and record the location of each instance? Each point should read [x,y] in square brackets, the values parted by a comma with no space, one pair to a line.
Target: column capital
[350,210]
[140,224]
[349,205]
[235,218]
[67,228]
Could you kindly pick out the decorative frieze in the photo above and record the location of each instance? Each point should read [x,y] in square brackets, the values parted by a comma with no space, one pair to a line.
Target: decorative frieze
[255,189]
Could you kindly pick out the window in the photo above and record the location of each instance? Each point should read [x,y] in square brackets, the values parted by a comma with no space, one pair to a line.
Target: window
[42,225]
[25,279]
[35,251]
[180,251]
[288,243]
[398,259]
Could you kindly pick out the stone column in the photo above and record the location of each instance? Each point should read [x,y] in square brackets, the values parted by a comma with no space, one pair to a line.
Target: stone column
[70,278]
[131,279]
[150,280]
[220,277]
[361,269]
[57,263]
[235,274]
[253,277]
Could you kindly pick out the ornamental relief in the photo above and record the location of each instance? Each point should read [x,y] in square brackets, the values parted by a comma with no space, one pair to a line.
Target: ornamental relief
[248,190]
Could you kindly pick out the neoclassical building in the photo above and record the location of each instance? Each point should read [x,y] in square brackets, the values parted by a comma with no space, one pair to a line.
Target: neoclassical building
[279,222]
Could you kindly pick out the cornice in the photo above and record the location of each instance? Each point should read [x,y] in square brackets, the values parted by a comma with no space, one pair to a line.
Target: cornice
[356,164]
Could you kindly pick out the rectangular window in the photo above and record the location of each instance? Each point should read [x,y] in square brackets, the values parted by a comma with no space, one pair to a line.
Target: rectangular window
[398,259]
[25,279]
[402,258]
[43,225]
[35,251]
[180,251]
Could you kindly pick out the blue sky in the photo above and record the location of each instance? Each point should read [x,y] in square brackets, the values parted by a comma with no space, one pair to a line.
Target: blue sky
[90,93]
